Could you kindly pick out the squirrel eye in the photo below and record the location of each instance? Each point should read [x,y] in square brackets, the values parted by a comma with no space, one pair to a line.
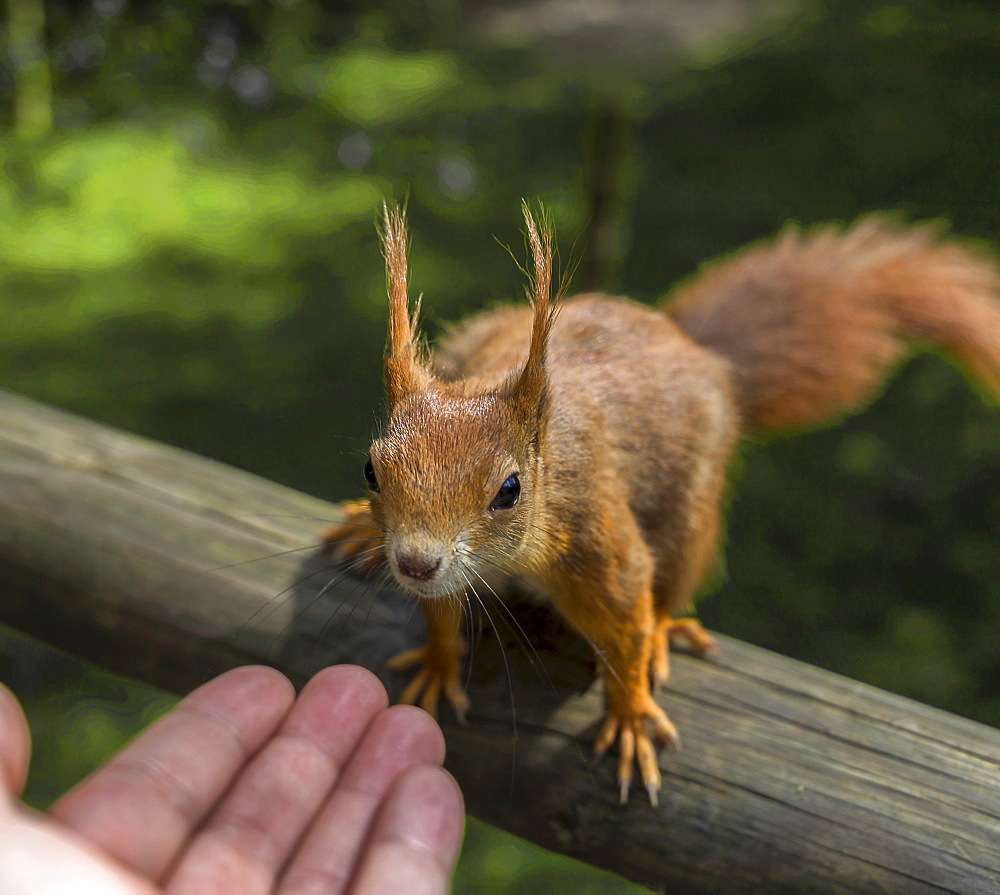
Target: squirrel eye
[508,494]
[370,476]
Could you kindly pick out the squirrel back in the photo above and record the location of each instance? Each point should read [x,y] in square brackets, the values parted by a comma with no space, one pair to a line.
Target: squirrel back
[813,322]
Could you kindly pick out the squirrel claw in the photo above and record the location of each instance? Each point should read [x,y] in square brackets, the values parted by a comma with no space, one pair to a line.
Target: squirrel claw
[623,788]
[605,736]
[635,746]
[654,798]
[438,675]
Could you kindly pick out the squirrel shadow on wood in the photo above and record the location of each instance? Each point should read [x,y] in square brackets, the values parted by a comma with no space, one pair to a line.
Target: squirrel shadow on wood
[523,664]
[344,616]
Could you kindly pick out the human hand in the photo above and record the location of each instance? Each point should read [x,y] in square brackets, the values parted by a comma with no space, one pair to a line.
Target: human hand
[245,789]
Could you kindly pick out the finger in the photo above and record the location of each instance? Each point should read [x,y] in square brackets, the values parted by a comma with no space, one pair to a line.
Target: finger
[398,738]
[142,806]
[247,840]
[416,837]
[15,743]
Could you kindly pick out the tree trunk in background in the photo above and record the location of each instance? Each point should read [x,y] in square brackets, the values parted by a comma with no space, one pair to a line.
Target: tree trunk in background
[26,52]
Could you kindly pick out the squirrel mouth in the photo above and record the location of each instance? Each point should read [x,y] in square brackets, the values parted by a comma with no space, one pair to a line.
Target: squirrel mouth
[429,590]
[429,587]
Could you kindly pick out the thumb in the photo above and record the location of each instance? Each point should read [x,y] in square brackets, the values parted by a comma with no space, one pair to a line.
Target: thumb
[15,743]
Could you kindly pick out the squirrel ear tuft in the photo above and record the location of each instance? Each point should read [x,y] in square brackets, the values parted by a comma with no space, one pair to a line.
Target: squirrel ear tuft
[404,369]
[532,383]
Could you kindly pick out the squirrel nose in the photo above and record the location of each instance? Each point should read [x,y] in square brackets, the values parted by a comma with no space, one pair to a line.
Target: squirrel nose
[413,565]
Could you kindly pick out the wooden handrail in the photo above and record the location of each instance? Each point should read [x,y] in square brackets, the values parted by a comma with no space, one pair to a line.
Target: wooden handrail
[150,561]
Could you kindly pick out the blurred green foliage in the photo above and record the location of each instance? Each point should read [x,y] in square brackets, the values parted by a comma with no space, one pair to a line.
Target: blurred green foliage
[69,702]
[190,253]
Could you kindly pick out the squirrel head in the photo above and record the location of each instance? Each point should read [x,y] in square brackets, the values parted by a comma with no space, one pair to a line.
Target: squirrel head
[455,478]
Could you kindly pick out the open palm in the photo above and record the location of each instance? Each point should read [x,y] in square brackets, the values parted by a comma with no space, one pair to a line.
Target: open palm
[246,789]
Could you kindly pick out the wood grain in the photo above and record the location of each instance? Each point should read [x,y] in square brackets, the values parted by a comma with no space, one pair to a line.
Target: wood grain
[170,568]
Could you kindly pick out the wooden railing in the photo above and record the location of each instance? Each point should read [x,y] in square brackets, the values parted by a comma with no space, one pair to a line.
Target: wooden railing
[170,568]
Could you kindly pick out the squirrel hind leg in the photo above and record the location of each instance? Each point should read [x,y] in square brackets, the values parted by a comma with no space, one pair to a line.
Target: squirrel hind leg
[687,635]
[356,540]
[678,578]
[683,634]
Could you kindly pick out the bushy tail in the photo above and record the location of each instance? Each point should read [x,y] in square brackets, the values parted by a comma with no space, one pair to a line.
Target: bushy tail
[813,321]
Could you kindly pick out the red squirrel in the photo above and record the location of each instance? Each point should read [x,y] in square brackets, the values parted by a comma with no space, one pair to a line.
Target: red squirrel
[582,444]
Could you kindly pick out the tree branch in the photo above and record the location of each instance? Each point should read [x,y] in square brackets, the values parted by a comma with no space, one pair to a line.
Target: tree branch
[791,779]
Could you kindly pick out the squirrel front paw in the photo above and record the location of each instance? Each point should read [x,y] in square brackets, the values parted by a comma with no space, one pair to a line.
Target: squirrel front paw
[440,674]
[356,540]
[629,725]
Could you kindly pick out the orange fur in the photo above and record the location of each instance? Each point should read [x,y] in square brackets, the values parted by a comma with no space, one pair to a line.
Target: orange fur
[813,321]
[618,423]
[404,372]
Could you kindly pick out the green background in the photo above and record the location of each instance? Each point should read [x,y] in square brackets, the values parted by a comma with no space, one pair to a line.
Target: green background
[187,250]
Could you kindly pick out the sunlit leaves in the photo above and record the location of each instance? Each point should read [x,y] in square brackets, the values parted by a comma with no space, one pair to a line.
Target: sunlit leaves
[372,85]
